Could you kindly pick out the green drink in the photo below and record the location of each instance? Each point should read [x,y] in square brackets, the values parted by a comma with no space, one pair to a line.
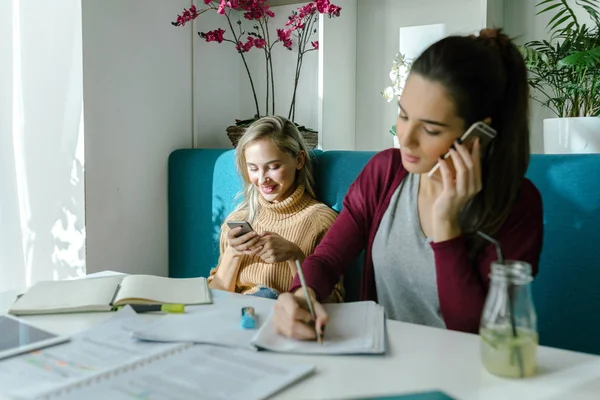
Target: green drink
[508,328]
[505,355]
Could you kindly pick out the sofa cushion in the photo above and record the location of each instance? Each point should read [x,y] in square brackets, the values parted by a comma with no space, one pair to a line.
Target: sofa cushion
[567,289]
[202,188]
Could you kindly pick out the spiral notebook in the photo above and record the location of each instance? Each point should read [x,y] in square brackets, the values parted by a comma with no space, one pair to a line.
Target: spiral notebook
[188,371]
[106,363]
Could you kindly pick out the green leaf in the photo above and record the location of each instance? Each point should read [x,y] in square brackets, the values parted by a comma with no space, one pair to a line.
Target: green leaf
[556,16]
[547,8]
[592,13]
[560,22]
[393,130]
[590,3]
[589,58]
[541,3]
[564,68]
[569,26]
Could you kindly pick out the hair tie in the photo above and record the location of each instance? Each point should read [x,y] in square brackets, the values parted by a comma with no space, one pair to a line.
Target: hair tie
[494,38]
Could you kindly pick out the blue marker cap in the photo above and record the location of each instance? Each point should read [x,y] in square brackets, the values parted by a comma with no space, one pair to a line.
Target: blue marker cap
[248,320]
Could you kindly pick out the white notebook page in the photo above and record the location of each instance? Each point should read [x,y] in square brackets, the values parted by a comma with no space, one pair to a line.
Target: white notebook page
[218,323]
[77,294]
[207,372]
[165,290]
[353,328]
[102,348]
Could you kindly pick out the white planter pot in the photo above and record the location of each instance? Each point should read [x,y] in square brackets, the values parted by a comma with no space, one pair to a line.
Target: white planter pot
[572,135]
[396,142]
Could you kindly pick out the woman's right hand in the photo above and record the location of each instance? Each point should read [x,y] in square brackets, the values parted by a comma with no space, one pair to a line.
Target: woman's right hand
[292,318]
[245,244]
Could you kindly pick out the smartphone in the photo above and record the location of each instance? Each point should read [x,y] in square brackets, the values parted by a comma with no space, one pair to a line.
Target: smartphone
[480,130]
[246,228]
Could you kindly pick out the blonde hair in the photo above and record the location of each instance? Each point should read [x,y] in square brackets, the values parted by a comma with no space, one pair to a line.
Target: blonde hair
[284,134]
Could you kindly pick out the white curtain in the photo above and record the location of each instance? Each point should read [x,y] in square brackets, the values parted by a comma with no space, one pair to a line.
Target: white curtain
[42,220]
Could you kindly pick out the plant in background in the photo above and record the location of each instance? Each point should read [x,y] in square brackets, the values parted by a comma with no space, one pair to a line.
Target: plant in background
[565,70]
[400,70]
[299,27]
[398,74]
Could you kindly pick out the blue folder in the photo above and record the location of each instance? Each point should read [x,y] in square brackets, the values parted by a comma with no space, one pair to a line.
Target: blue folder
[412,396]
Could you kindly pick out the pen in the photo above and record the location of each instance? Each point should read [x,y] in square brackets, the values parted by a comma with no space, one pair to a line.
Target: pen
[308,300]
[143,308]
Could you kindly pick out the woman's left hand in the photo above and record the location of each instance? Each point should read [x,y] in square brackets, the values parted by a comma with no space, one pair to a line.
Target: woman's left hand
[457,190]
[277,249]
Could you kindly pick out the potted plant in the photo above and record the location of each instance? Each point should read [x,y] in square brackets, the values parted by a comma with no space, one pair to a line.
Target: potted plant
[400,70]
[297,34]
[565,75]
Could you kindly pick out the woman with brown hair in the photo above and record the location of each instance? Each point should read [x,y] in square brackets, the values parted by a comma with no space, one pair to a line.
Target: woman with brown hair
[424,261]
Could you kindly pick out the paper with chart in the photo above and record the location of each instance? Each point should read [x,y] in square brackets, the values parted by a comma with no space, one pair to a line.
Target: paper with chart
[353,328]
[104,347]
[218,323]
[201,371]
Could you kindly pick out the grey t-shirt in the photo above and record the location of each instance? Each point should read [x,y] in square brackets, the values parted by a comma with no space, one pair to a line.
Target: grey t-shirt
[403,261]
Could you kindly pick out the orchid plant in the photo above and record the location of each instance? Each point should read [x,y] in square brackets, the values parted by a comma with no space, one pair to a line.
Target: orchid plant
[297,34]
[398,75]
[400,70]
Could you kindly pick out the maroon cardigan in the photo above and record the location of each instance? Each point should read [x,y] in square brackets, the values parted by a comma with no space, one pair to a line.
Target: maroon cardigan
[462,285]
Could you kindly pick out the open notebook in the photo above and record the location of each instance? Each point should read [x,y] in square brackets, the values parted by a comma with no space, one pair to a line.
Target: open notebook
[101,294]
[354,328]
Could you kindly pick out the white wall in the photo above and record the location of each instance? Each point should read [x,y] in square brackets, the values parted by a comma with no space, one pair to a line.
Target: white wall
[495,13]
[137,94]
[377,43]
[41,166]
[522,23]
[217,77]
[338,79]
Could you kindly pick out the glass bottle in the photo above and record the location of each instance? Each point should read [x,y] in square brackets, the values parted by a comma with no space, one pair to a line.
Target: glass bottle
[508,328]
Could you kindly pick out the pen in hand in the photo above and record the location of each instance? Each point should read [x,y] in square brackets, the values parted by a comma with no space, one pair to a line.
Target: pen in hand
[309,301]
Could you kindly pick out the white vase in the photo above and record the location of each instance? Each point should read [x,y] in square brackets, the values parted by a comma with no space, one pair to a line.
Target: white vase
[396,142]
[572,135]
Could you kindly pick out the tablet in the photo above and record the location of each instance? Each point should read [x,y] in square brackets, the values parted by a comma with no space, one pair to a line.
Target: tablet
[17,336]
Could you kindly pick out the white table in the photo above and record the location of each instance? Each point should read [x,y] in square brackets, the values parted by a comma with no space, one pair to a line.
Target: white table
[419,359]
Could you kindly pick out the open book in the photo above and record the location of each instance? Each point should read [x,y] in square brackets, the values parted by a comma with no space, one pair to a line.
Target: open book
[102,294]
[106,363]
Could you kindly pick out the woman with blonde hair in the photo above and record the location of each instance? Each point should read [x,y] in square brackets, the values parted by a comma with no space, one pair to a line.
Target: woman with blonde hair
[279,203]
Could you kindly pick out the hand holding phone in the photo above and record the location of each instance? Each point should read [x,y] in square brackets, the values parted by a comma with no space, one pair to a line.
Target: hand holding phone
[245,241]
[479,130]
[246,228]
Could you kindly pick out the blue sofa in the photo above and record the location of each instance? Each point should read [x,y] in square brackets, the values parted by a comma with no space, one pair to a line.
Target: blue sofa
[203,184]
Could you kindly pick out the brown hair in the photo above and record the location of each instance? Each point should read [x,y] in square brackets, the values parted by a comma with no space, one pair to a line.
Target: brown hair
[485,76]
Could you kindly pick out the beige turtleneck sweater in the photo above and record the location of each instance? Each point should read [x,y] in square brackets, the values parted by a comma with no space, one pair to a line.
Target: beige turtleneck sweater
[300,219]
